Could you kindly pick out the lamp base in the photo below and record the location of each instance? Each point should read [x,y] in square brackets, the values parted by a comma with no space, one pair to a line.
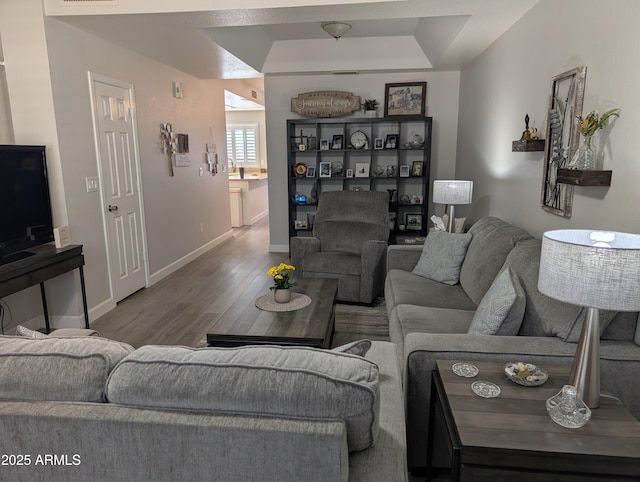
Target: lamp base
[451,221]
[585,371]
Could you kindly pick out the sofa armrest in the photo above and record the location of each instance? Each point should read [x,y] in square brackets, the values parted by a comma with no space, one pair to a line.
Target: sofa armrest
[403,257]
[301,246]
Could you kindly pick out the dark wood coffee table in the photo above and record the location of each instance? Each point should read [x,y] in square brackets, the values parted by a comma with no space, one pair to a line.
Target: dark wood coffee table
[512,437]
[312,325]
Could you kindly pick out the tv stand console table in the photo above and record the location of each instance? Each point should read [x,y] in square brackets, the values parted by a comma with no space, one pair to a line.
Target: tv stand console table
[44,263]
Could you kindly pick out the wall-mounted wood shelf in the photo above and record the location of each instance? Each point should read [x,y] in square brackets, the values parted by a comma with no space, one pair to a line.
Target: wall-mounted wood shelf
[528,146]
[578,177]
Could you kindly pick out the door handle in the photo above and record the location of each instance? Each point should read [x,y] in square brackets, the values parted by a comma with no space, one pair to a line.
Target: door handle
[112,209]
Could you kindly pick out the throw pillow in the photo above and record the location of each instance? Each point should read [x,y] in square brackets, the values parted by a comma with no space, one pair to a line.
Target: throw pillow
[442,256]
[502,308]
[24,331]
[360,347]
[297,382]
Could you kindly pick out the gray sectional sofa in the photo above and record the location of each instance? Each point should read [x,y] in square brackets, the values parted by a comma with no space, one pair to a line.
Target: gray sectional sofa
[429,320]
[91,409]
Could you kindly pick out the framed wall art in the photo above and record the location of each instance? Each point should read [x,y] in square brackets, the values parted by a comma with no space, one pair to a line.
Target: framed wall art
[563,138]
[405,99]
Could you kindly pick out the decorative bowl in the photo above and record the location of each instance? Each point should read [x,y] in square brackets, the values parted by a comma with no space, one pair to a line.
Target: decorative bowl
[526,374]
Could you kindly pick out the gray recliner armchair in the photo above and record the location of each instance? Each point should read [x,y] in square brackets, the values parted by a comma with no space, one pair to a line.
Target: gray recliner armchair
[349,243]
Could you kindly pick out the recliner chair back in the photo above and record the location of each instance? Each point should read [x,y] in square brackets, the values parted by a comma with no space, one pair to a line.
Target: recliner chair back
[346,219]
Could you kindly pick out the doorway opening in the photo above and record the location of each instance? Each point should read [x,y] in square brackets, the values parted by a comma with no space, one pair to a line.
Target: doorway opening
[246,159]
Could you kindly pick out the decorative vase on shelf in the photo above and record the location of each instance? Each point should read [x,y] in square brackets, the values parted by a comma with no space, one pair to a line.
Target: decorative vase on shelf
[585,157]
[282,295]
[372,114]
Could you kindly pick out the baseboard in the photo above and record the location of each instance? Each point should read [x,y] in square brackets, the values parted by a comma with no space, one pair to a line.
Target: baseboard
[260,216]
[176,265]
[278,248]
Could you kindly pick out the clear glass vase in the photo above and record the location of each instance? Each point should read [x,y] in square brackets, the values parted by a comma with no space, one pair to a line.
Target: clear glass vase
[585,157]
[567,408]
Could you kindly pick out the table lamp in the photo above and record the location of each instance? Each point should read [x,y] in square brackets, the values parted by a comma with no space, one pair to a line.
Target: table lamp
[452,193]
[597,270]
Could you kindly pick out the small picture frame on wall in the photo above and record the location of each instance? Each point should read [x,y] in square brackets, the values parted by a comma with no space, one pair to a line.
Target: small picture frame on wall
[404,171]
[413,222]
[405,99]
[311,171]
[324,144]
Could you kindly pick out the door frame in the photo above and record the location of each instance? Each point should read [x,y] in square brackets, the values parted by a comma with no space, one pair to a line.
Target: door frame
[93,78]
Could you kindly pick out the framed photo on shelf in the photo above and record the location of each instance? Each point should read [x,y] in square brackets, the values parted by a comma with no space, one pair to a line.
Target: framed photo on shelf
[349,172]
[338,142]
[417,168]
[417,199]
[311,171]
[311,143]
[391,142]
[362,169]
[325,169]
[378,143]
[404,171]
[324,144]
[300,224]
[413,221]
[405,99]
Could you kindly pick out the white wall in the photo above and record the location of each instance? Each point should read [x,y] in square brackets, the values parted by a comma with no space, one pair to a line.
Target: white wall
[442,105]
[513,78]
[174,206]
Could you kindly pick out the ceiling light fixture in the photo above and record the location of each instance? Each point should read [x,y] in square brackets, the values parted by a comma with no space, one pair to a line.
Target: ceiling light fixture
[336,29]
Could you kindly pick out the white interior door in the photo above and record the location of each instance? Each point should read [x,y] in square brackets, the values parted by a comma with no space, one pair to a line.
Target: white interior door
[120,185]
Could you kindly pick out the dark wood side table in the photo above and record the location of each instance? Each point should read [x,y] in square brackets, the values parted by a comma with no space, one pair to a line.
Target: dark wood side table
[512,437]
[45,263]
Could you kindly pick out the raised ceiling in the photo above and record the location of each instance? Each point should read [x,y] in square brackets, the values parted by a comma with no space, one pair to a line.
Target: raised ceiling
[249,42]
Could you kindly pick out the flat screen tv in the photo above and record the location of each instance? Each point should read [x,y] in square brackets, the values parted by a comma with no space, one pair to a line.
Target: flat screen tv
[25,204]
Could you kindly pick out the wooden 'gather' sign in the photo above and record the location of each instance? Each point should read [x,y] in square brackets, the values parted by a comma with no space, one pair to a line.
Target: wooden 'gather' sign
[326,103]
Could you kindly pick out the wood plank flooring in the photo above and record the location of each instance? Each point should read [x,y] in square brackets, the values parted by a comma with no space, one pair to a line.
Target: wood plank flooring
[180,309]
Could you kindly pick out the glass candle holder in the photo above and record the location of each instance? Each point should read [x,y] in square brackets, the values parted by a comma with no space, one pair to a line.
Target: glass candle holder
[567,409]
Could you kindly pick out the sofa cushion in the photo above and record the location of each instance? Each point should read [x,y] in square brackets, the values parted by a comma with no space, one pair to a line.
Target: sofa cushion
[442,256]
[493,239]
[271,380]
[53,369]
[404,288]
[501,310]
[421,319]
